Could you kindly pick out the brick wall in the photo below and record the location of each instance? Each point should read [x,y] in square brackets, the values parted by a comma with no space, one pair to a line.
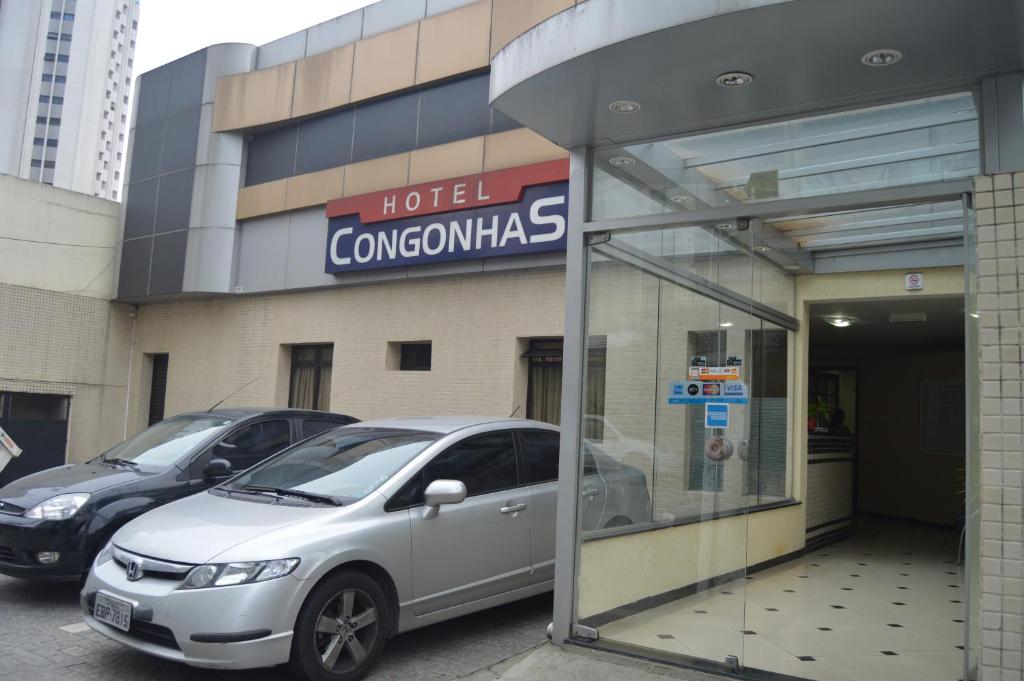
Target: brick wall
[999,203]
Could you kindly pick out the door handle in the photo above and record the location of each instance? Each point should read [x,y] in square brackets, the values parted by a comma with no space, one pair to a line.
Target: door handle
[513,508]
[589,494]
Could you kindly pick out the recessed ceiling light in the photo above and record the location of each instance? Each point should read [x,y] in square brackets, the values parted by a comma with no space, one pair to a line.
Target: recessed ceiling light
[884,57]
[734,79]
[726,226]
[762,249]
[683,199]
[621,161]
[625,106]
[791,268]
[840,322]
[725,325]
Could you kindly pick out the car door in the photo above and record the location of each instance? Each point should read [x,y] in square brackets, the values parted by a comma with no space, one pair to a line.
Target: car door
[539,450]
[480,547]
[593,493]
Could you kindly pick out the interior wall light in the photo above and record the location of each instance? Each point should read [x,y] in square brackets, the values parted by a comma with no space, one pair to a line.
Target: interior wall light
[839,322]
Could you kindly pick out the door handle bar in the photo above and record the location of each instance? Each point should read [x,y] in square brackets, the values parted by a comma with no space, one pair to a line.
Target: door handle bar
[514,508]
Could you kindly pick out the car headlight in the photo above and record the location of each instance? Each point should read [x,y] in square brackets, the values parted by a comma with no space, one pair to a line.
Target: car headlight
[105,555]
[60,507]
[229,574]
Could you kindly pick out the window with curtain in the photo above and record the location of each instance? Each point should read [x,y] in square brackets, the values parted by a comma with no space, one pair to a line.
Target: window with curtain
[310,386]
[544,384]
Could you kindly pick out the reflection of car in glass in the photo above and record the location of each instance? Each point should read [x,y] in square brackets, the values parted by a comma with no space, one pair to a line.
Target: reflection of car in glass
[600,431]
[53,522]
[318,555]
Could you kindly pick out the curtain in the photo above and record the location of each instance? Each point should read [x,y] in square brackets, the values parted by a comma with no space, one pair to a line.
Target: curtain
[303,389]
[546,392]
[323,399]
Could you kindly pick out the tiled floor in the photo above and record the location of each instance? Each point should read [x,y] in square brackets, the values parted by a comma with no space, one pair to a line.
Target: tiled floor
[884,605]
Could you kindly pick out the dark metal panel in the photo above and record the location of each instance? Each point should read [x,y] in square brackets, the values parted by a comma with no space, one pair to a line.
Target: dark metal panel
[147,149]
[134,278]
[500,122]
[140,209]
[168,263]
[325,142]
[186,81]
[174,201]
[181,137]
[454,111]
[385,127]
[271,155]
[153,93]
[1003,123]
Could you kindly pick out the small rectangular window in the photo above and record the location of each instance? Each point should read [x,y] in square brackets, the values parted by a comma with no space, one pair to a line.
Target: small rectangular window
[44,99]
[49,164]
[58,100]
[414,355]
[158,388]
[36,163]
[40,120]
[68,16]
[49,56]
[60,79]
[51,143]
[63,58]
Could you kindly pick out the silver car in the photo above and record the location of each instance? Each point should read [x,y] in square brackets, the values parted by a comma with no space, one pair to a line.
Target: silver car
[318,555]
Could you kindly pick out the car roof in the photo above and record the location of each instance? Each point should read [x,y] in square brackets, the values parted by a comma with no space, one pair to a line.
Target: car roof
[450,424]
[250,412]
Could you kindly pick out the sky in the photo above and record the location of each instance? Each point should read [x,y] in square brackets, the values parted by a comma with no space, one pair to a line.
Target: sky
[169,29]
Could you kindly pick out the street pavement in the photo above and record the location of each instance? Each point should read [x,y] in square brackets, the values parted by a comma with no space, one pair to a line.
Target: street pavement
[34,647]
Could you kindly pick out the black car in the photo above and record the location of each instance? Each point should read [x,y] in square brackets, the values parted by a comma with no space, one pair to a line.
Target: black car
[53,523]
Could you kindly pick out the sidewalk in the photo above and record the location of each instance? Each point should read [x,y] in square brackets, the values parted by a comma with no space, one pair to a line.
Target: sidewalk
[552,663]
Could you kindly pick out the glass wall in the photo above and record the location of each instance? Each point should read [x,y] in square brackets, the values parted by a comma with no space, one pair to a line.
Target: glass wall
[692,436]
[914,142]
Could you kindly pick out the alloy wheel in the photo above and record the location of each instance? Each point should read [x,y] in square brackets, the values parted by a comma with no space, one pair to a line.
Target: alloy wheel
[346,630]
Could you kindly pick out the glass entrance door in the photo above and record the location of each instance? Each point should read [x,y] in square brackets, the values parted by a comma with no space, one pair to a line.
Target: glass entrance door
[691,436]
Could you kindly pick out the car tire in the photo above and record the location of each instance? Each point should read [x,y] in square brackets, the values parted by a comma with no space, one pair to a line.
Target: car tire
[341,629]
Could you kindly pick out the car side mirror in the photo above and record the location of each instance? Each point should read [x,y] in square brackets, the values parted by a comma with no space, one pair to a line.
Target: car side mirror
[441,492]
[217,468]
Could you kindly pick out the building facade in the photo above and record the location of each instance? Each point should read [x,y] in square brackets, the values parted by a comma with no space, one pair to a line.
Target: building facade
[63,376]
[779,278]
[65,91]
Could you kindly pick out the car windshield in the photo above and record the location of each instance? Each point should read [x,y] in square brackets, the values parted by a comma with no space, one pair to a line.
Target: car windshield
[164,443]
[345,464]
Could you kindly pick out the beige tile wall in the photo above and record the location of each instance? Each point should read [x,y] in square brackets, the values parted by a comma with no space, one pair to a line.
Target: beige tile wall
[476,323]
[64,344]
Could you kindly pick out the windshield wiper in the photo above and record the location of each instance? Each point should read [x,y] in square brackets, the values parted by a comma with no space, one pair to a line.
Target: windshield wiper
[283,492]
[121,462]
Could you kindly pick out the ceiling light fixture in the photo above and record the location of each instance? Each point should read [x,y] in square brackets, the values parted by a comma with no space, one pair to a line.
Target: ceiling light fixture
[625,106]
[725,325]
[726,226]
[621,161]
[976,315]
[884,57]
[683,199]
[838,322]
[762,249]
[734,79]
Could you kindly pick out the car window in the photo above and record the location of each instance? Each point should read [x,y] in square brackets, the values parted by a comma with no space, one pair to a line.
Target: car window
[540,449]
[253,443]
[311,427]
[166,442]
[346,464]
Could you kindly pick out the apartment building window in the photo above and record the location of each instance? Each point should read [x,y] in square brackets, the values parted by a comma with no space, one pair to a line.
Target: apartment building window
[544,378]
[415,356]
[310,386]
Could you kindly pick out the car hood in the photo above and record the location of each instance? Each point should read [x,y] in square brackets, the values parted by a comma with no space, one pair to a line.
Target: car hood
[198,528]
[71,479]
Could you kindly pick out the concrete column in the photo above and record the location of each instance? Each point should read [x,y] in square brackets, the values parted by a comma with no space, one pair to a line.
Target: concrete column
[999,203]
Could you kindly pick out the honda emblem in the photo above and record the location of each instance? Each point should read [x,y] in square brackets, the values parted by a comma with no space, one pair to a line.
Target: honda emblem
[134,570]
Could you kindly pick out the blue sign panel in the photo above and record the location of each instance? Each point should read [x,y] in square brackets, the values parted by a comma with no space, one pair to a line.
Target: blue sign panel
[536,224]
[716,415]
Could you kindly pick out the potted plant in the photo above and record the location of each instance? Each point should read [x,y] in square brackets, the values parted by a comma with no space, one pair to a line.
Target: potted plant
[818,413]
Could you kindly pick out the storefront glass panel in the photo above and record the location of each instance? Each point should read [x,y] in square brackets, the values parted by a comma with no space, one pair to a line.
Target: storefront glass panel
[696,389]
[925,140]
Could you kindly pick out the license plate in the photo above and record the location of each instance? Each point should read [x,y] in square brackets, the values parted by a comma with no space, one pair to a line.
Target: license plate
[113,611]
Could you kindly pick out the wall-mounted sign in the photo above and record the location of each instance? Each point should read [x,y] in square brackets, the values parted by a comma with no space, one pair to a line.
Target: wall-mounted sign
[703,392]
[7,444]
[913,281]
[518,211]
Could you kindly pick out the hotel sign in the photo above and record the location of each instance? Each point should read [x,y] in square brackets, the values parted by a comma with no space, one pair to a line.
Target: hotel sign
[517,211]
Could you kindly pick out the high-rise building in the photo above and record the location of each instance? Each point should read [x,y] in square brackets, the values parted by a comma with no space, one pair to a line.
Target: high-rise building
[65,77]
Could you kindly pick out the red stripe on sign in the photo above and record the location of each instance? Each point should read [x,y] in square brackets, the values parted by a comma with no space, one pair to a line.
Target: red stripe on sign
[443,196]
